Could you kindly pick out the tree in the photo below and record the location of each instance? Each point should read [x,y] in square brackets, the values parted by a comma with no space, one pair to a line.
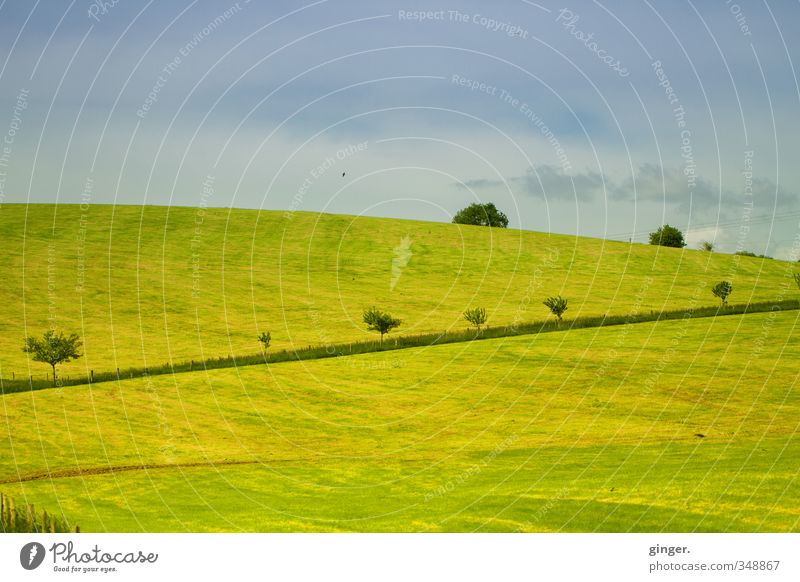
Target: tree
[667,236]
[557,305]
[722,290]
[481,215]
[706,246]
[265,338]
[379,321]
[476,316]
[54,348]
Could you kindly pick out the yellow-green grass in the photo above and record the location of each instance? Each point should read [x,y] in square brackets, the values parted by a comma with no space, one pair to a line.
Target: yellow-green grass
[147,285]
[584,430]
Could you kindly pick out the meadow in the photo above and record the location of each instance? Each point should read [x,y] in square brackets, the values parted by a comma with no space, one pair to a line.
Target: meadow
[149,286]
[681,425]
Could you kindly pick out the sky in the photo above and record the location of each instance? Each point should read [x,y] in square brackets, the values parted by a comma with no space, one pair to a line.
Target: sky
[601,119]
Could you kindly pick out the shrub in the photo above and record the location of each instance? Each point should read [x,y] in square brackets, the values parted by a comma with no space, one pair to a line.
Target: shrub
[751,254]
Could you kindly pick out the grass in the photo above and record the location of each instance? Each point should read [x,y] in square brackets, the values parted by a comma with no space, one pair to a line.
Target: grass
[148,286]
[588,430]
[401,342]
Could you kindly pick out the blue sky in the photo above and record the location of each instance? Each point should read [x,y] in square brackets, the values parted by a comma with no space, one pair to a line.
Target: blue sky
[559,113]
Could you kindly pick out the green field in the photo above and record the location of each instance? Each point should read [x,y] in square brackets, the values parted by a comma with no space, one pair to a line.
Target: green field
[148,285]
[682,425]
[586,430]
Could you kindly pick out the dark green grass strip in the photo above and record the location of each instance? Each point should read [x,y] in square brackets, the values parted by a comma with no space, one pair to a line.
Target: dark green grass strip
[8,386]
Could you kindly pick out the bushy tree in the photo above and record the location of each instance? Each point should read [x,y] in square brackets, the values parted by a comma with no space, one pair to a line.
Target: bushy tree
[481,215]
[707,246]
[557,306]
[722,290]
[265,338]
[54,348]
[476,316]
[668,236]
[380,321]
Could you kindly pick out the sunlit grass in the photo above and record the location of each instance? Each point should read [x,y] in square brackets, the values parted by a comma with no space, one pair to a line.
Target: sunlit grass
[146,286]
[592,429]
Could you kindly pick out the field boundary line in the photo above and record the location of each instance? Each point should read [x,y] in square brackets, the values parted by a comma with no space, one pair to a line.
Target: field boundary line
[109,469]
[8,386]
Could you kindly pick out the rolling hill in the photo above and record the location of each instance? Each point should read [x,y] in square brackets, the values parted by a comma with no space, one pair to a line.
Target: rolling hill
[669,426]
[144,286]
[679,425]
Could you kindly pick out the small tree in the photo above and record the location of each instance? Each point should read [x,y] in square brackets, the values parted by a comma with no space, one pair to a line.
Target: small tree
[265,338]
[54,348]
[476,316]
[722,290]
[557,306]
[706,246]
[379,321]
[667,236]
[481,215]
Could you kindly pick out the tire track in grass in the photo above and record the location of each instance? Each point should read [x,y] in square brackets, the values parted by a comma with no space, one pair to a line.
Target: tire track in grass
[111,469]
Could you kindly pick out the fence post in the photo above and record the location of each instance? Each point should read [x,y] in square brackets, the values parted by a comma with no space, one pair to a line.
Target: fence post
[5,514]
[12,515]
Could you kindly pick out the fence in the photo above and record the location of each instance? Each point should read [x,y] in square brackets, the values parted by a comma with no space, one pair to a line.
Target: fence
[8,386]
[15,518]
